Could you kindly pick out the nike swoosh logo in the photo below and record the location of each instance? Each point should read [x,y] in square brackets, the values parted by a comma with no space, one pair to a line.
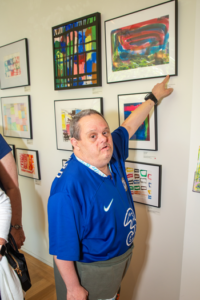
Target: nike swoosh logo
[107,208]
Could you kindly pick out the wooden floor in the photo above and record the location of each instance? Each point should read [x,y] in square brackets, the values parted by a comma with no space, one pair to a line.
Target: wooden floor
[42,279]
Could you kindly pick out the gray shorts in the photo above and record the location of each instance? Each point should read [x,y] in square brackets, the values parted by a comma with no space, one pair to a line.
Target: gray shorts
[101,279]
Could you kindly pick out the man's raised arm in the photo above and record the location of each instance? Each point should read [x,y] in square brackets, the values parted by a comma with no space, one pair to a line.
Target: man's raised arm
[133,122]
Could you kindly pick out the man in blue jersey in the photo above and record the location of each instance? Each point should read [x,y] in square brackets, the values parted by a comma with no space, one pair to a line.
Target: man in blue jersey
[92,220]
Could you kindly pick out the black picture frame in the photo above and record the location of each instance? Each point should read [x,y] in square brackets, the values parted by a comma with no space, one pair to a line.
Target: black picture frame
[64,111]
[146,137]
[145,182]
[13,150]
[77,62]
[137,44]
[28,163]
[20,127]
[14,65]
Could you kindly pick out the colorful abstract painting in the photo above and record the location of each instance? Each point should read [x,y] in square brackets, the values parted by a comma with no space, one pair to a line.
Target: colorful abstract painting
[142,134]
[28,163]
[77,53]
[16,116]
[141,45]
[145,137]
[66,117]
[144,182]
[12,65]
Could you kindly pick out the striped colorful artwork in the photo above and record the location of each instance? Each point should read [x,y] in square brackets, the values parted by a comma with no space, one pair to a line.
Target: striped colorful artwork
[15,117]
[140,45]
[77,53]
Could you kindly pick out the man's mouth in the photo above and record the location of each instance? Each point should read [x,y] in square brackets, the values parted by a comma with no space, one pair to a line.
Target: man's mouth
[105,147]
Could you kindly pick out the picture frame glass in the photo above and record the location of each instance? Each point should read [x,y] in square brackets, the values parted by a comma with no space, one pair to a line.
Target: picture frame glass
[145,138]
[64,112]
[77,53]
[16,115]
[142,44]
[14,65]
[144,182]
[28,163]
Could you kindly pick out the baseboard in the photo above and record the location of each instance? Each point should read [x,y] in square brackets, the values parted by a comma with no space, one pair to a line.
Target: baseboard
[38,257]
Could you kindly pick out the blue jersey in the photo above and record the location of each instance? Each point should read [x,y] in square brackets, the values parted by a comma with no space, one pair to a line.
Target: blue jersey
[4,150]
[92,218]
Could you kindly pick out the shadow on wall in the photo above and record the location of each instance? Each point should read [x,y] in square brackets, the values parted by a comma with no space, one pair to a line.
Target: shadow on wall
[131,282]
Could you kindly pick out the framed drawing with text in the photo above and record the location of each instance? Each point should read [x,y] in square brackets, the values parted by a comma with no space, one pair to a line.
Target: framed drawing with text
[145,138]
[14,65]
[77,53]
[64,112]
[28,163]
[13,150]
[144,182]
[142,44]
[16,115]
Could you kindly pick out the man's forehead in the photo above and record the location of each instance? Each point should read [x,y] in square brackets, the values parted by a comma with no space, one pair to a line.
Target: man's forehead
[93,122]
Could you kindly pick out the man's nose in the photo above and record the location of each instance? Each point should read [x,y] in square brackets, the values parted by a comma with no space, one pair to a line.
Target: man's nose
[103,138]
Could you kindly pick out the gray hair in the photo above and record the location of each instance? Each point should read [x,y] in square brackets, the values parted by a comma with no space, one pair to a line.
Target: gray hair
[74,123]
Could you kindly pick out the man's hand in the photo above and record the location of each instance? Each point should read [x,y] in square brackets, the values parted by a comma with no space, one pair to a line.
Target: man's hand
[19,237]
[78,293]
[160,90]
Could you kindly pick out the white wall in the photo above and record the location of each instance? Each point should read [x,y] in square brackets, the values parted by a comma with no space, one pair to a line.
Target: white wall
[155,271]
[190,288]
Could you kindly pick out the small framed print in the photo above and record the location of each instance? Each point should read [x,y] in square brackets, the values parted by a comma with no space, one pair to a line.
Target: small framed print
[64,161]
[13,150]
[145,138]
[142,44]
[196,183]
[14,65]
[16,117]
[64,112]
[144,182]
[28,163]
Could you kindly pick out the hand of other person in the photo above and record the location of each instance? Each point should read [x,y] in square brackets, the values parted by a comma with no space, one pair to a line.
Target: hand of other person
[78,293]
[160,90]
[19,236]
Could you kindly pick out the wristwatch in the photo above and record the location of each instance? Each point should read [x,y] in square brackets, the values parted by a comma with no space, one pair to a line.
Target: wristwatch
[2,250]
[16,226]
[152,97]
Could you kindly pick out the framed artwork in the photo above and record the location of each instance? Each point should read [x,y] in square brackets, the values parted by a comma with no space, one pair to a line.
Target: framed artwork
[28,163]
[13,150]
[196,184]
[77,53]
[145,138]
[145,182]
[142,44]
[64,162]
[16,115]
[14,65]
[64,112]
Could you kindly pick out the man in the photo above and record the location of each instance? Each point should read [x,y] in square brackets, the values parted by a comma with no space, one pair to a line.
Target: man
[9,184]
[91,214]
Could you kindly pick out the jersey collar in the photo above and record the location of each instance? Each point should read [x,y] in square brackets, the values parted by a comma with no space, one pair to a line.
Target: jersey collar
[93,168]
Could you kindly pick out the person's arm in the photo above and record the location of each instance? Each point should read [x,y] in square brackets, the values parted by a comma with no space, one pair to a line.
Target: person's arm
[9,179]
[67,270]
[133,122]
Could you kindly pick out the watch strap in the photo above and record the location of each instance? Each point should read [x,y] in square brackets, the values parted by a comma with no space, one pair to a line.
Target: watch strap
[151,97]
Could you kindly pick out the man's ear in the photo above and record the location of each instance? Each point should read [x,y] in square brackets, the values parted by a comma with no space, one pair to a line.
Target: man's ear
[74,143]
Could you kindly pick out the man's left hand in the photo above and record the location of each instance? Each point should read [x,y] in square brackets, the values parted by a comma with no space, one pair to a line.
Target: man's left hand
[19,236]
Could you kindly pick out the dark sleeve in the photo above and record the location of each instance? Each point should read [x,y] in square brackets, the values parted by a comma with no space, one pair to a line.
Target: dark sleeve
[120,142]
[64,227]
[4,147]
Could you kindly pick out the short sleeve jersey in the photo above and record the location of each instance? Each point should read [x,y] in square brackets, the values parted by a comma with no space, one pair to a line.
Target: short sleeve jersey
[4,150]
[92,218]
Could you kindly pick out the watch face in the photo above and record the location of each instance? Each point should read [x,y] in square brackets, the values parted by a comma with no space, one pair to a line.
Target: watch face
[147,96]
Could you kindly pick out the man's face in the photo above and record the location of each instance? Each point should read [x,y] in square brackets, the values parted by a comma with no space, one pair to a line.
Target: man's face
[95,145]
